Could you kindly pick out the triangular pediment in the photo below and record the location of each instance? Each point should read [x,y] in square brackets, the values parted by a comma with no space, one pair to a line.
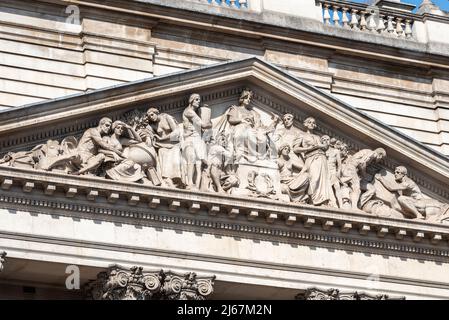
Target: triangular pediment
[275,92]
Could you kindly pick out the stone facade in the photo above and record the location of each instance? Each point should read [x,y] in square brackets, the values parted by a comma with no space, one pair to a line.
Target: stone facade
[252,172]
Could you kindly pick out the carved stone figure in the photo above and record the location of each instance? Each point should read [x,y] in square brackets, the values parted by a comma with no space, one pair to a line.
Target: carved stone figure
[314,150]
[334,162]
[194,147]
[294,185]
[287,135]
[409,199]
[122,169]
[220,166]
[164,130]
[335,294]
[354,169]
[249,136]
[90,143]
[2,259]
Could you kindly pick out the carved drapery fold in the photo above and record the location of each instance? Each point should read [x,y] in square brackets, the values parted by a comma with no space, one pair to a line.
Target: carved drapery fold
[2,259]
[118,283]
[335,294]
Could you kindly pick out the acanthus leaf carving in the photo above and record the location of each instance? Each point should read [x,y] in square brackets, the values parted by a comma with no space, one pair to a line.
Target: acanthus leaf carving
[135,284]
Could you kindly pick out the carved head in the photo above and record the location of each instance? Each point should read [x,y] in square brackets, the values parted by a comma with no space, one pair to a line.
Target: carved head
[195,100]
[399,173]
[222,140]
[287,119]
[326,140]
[380,153]
[105,125]
[245,98]
[284,149]
[118,127]
[310,123]
[153,115]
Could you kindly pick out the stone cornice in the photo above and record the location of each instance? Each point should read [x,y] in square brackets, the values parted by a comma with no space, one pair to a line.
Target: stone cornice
[260,25]
[133,203]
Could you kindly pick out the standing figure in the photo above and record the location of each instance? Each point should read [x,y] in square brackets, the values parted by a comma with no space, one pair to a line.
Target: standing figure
[354,169]
[90,143]
[314,150]
[164,130]
[250,138]
[334,163]
[294,186]
[194,148]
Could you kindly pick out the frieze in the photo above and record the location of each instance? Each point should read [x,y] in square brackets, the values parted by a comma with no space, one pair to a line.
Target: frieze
[243,153]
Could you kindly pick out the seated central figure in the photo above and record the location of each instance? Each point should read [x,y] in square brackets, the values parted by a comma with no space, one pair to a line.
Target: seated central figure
[250,137]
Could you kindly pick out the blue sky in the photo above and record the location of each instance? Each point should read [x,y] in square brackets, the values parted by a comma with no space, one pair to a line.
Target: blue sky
[443,4]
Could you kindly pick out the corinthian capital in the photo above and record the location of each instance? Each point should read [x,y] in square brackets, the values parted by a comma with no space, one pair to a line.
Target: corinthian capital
[2,259]
[186,286]
[119,284]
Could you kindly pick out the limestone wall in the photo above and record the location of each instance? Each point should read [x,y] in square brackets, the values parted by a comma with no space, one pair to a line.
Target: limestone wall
[46,54]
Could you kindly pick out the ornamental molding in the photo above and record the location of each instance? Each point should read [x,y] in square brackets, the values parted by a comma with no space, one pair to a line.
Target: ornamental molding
[118,283]
[246,218]
[335,294]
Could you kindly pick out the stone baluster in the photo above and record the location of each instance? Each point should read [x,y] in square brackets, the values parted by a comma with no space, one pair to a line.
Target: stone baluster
[408,28]
[372,22]
[344,18]
[232,3]
[335,16]
[354,21]
[399,29]
[363,23]
[390,27]
[243,3]
[381,24]
[326,14]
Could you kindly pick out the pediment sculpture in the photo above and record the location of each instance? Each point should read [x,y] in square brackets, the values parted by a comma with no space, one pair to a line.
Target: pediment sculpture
[241,152]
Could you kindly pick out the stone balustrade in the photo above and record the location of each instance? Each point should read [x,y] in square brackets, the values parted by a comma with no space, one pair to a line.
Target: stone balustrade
[361,17]
[238,4]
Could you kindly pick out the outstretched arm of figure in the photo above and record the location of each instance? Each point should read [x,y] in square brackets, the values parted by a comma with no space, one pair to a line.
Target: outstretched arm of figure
[389,186]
